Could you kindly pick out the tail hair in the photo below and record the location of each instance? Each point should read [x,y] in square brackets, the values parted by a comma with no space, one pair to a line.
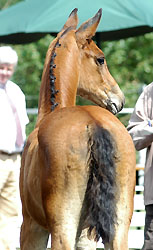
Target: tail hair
[101,189]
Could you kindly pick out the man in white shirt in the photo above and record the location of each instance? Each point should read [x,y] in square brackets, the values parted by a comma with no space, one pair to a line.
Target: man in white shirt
[13,120]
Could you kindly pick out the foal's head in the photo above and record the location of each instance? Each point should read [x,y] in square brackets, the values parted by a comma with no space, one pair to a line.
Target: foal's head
[75,65]
[96,82]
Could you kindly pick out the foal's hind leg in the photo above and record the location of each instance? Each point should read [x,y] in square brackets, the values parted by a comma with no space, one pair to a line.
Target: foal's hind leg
[120,241]
[62,206]
[33,236]
[62,215]
[124,215]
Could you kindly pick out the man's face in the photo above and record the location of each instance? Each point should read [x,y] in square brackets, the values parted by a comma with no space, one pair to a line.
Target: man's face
[6,71]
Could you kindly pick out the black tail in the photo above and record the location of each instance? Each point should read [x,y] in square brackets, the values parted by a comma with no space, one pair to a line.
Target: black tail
[101,189]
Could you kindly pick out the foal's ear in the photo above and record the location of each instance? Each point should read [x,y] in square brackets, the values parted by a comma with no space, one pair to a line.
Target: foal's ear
[88,29]
[72,21]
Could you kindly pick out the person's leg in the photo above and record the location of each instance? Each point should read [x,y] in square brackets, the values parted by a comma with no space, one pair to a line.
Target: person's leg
[9,200]
[148,231]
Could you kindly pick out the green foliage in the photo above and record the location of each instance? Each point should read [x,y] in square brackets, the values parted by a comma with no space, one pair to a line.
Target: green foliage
[130,62]
[6,3]
[31,125]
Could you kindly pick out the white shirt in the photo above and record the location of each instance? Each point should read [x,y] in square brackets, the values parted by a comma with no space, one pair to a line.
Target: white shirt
[8,131]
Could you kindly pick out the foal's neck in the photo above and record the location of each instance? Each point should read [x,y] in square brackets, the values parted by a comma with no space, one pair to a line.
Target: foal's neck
[60,75]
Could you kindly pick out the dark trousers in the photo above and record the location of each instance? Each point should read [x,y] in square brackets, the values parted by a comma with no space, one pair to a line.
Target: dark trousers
[148,230]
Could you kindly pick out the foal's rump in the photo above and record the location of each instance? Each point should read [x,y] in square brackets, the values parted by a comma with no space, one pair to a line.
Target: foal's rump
[79,154]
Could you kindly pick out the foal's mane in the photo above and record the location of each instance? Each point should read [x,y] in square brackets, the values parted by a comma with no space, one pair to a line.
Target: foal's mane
[52,76]
[48,92]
